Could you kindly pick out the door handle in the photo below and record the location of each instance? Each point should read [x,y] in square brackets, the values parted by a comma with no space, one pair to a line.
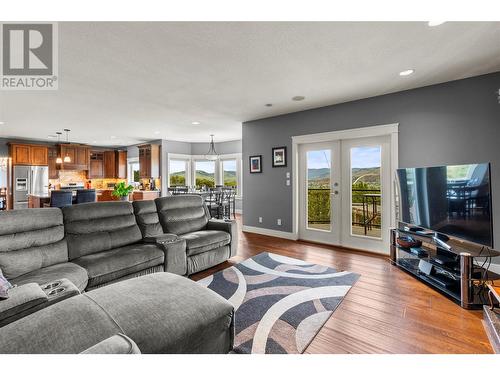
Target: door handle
[335,192]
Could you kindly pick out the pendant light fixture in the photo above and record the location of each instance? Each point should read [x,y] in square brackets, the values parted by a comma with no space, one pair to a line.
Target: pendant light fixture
[212,154]
[67,159]
[59,159]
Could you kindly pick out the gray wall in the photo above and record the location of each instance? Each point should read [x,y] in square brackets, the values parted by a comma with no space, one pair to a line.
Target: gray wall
[230,147]
[4,148]
[452,123]
[176,147]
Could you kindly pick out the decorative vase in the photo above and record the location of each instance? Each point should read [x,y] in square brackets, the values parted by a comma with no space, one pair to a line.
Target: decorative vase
[124,198]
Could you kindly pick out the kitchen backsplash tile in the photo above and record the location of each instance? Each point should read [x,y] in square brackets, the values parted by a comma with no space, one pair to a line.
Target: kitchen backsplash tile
[69,176]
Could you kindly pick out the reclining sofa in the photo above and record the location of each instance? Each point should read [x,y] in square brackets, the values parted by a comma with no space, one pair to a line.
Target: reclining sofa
[159,313]
[88,246]
[94,244]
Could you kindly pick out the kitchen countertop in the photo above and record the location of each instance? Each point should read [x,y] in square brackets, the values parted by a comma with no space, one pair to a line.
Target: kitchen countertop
[39,195]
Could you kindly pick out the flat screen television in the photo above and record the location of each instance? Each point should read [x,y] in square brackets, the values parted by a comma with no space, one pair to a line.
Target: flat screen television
[454,200]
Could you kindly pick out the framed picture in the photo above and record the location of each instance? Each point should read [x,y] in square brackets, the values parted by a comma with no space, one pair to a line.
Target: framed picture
[279,156]
[256,164]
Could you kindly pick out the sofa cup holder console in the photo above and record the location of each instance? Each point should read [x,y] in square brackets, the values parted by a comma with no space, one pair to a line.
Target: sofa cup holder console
[52,285]
[56,291]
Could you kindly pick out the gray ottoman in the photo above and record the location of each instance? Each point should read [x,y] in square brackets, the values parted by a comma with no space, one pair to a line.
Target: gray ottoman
[161,313]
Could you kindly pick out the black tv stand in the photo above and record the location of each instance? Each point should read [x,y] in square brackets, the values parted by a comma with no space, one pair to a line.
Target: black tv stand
[445,264]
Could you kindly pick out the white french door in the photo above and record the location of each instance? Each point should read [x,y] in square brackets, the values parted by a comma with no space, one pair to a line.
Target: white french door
[345,192]
[319,197]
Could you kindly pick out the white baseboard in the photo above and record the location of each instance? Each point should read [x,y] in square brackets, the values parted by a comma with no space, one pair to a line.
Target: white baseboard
[270,232]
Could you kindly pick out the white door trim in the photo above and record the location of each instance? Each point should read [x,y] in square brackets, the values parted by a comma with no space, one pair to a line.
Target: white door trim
[368,131]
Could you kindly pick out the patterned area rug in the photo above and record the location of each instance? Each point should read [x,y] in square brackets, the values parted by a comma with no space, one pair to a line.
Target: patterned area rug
[281,303]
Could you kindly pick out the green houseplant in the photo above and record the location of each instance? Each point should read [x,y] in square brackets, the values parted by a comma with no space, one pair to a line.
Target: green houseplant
[122,191]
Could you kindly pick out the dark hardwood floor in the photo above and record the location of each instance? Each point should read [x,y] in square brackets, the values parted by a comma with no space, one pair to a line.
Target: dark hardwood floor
[387,310]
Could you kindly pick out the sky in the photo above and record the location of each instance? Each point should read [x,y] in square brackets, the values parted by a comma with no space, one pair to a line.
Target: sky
[361,157]
[207,166]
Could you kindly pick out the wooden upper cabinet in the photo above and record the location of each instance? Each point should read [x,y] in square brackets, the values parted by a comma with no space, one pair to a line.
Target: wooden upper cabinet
[121,164]
[52,157]
[67,151]
[20,154]
[82,155]
[25,154]
[96,166]
[109,164]
[78,155]
[149,161]
[39,155]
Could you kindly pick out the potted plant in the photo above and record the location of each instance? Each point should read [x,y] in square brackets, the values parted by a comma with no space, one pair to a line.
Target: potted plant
[122,191]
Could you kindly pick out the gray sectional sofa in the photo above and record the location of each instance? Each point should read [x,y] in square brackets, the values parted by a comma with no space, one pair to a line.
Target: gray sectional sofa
[160,313]
[91,245]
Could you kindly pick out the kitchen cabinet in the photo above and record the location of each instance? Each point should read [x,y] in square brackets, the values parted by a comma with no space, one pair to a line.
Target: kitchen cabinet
[37,201]
[26,154]
[52,157]
[82,156]
[20,154]
[145,195]
[121,164]
[96,167]
[109,164]
[39,155]
[149,161]
[78,154]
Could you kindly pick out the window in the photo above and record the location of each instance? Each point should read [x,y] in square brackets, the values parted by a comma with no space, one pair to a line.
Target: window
[133,170]
[229,170]
[177,172]
[366,204]
[318,189]
[204,173]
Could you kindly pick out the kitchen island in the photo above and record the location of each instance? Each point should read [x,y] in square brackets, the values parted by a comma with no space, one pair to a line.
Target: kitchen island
[38,201]
[104,195]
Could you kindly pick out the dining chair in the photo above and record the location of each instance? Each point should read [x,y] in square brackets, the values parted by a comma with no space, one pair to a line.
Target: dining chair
[61,198]
[85,196]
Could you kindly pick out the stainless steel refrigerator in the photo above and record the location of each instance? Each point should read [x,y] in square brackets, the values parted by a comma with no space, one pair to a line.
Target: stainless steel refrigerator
[29,180]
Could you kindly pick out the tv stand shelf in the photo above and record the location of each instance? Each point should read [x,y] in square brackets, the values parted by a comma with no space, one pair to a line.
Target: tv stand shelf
[459,279]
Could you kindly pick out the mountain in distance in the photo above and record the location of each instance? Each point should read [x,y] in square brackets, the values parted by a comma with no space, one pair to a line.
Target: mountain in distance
[228,175]
[368,175]
[318,174]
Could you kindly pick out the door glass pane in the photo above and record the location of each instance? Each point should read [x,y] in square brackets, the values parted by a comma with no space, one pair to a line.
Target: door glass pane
[366,191]
[229,170]
[177,171]
[318,189]
[205,173]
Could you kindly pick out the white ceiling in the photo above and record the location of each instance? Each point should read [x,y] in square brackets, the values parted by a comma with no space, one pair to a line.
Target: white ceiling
[143,81]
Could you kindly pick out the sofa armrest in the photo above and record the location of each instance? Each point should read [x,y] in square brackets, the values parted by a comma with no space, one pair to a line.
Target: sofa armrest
[23,300]
[117,344]
[229,226]
[174,249]
[161,238]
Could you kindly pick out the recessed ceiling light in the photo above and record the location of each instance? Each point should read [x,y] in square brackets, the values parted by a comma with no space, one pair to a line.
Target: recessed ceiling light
[196,123]
[52,136]
[113,137]
[157,132]
[435,23]
[298,98]
[406,72]
[1,122]
[268,105]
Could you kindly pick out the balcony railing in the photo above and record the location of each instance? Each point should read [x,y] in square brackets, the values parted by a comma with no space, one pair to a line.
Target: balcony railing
[366,211]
